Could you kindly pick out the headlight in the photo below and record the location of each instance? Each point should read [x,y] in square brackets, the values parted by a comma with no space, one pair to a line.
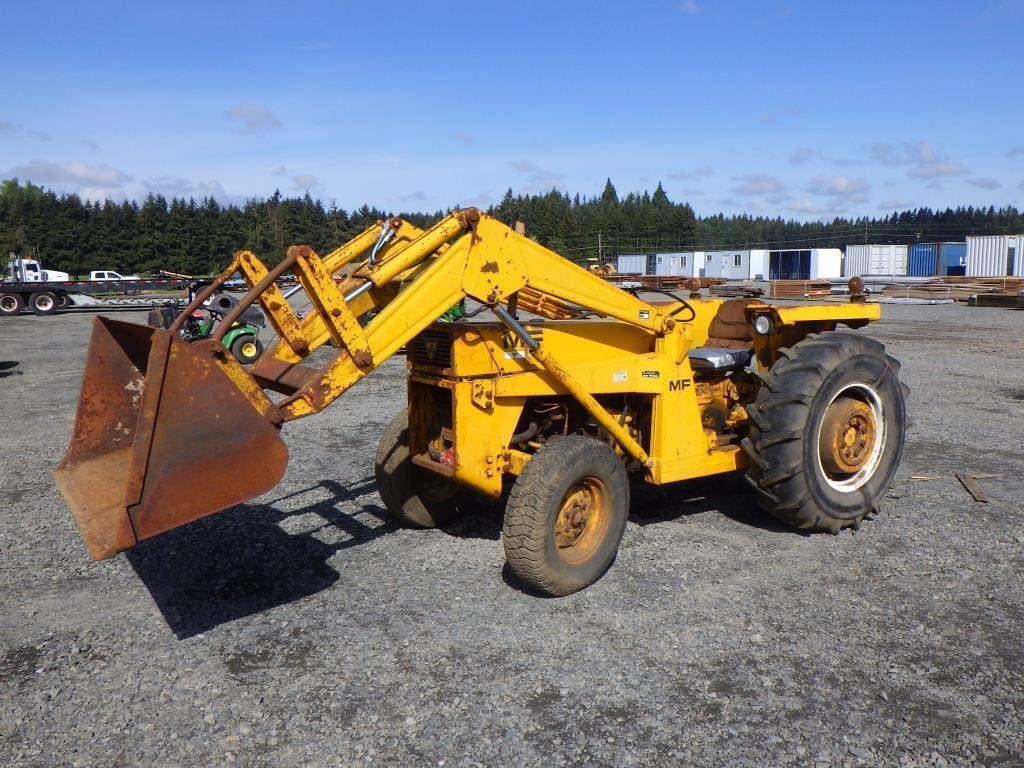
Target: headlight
[763,325]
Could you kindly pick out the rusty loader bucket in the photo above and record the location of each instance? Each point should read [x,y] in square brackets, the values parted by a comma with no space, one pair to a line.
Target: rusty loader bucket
[162,437]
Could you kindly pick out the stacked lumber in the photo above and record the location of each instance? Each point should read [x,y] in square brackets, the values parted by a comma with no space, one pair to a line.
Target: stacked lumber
[929,290]
[799,289]
[732,291]
[1000,300]
[662,281]
[1002,284]
[959,288]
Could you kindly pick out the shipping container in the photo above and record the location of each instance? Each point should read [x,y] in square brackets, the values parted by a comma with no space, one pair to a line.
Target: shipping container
[875,260]
[632,264]
[923,260]
[952,258]
[995,256]
[928,259]
[804,264]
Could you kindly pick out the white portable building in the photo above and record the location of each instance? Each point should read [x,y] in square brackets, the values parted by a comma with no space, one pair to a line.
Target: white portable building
[681,264]
[632,264]
[995,256]
[734,265]
[864,260]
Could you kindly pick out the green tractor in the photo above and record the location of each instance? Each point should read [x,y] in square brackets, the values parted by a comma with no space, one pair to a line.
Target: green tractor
[242,338]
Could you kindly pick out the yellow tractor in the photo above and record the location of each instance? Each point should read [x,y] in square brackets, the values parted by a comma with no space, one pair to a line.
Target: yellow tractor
[570,387]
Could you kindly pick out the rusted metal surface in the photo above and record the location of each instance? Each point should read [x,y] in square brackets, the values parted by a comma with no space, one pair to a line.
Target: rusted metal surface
[162,437]
[847,436]
[583,521]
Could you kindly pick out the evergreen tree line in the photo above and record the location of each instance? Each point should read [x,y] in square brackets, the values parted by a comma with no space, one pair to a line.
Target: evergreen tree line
[198,237]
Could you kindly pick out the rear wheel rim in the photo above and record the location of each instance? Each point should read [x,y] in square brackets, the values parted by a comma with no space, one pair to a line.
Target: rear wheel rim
[8,304]
[851,437]
[249,350]
[583,521]
[44,303]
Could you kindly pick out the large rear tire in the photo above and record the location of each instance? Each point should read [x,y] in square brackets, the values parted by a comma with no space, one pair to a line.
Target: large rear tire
[43,303]
[827,431]
[566,515]
[11,304]
[413,496]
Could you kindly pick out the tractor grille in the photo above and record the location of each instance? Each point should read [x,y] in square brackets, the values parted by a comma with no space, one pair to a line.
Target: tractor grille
[431,347]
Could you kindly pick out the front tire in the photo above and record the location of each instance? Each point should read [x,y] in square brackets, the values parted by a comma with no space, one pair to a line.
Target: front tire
[247,349]
[413,496]
[827,431]
[566,515]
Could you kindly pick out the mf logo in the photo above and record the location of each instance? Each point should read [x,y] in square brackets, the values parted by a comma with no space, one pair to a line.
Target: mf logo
[431,347]
[677,385]
[514,347]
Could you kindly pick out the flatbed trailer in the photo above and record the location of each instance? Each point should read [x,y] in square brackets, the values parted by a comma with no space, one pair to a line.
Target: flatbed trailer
[46,298]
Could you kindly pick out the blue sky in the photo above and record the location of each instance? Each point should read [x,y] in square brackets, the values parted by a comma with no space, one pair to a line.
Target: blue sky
[800,109]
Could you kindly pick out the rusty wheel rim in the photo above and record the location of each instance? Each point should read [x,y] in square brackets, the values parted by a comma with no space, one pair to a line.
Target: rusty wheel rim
[583,521]
[851,437]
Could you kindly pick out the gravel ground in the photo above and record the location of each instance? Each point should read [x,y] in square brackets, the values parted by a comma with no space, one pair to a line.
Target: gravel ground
[302,629]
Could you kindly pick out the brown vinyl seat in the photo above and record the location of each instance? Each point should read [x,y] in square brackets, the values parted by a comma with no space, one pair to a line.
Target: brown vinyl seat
[730,344]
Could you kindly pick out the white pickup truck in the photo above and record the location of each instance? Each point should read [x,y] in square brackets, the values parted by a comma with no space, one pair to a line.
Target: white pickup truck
[106,274]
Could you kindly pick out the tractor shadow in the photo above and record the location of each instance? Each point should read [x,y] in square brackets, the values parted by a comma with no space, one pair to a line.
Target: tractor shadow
[243,561]
[728,495]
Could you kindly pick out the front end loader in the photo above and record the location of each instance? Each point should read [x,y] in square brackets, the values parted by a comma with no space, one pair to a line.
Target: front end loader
[571,386]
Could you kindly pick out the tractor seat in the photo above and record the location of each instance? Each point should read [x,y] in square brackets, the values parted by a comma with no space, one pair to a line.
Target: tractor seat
[729,343]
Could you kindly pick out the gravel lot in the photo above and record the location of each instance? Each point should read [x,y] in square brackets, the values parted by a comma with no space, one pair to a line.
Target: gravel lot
[302,629]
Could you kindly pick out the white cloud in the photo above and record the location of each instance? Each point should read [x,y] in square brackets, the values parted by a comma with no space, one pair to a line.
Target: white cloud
[985,182]
[541,179]
[894,205]
[254,118]
[802,155]
[697,173]
[758,184]
[305,182]
[95,182]
[929,164]
[300,182]
[14,128]
[924,161]
[807,206]
[840,188]
[888,154]
[176,186]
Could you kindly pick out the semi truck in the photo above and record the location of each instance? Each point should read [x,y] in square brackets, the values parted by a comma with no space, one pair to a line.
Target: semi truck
[27,285]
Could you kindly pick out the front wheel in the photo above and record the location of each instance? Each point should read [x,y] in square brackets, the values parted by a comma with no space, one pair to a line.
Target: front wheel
[413,496]
[827,431]
[247,349]
[566,515]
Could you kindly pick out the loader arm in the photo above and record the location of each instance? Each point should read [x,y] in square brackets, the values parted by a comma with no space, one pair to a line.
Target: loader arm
[168,431]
